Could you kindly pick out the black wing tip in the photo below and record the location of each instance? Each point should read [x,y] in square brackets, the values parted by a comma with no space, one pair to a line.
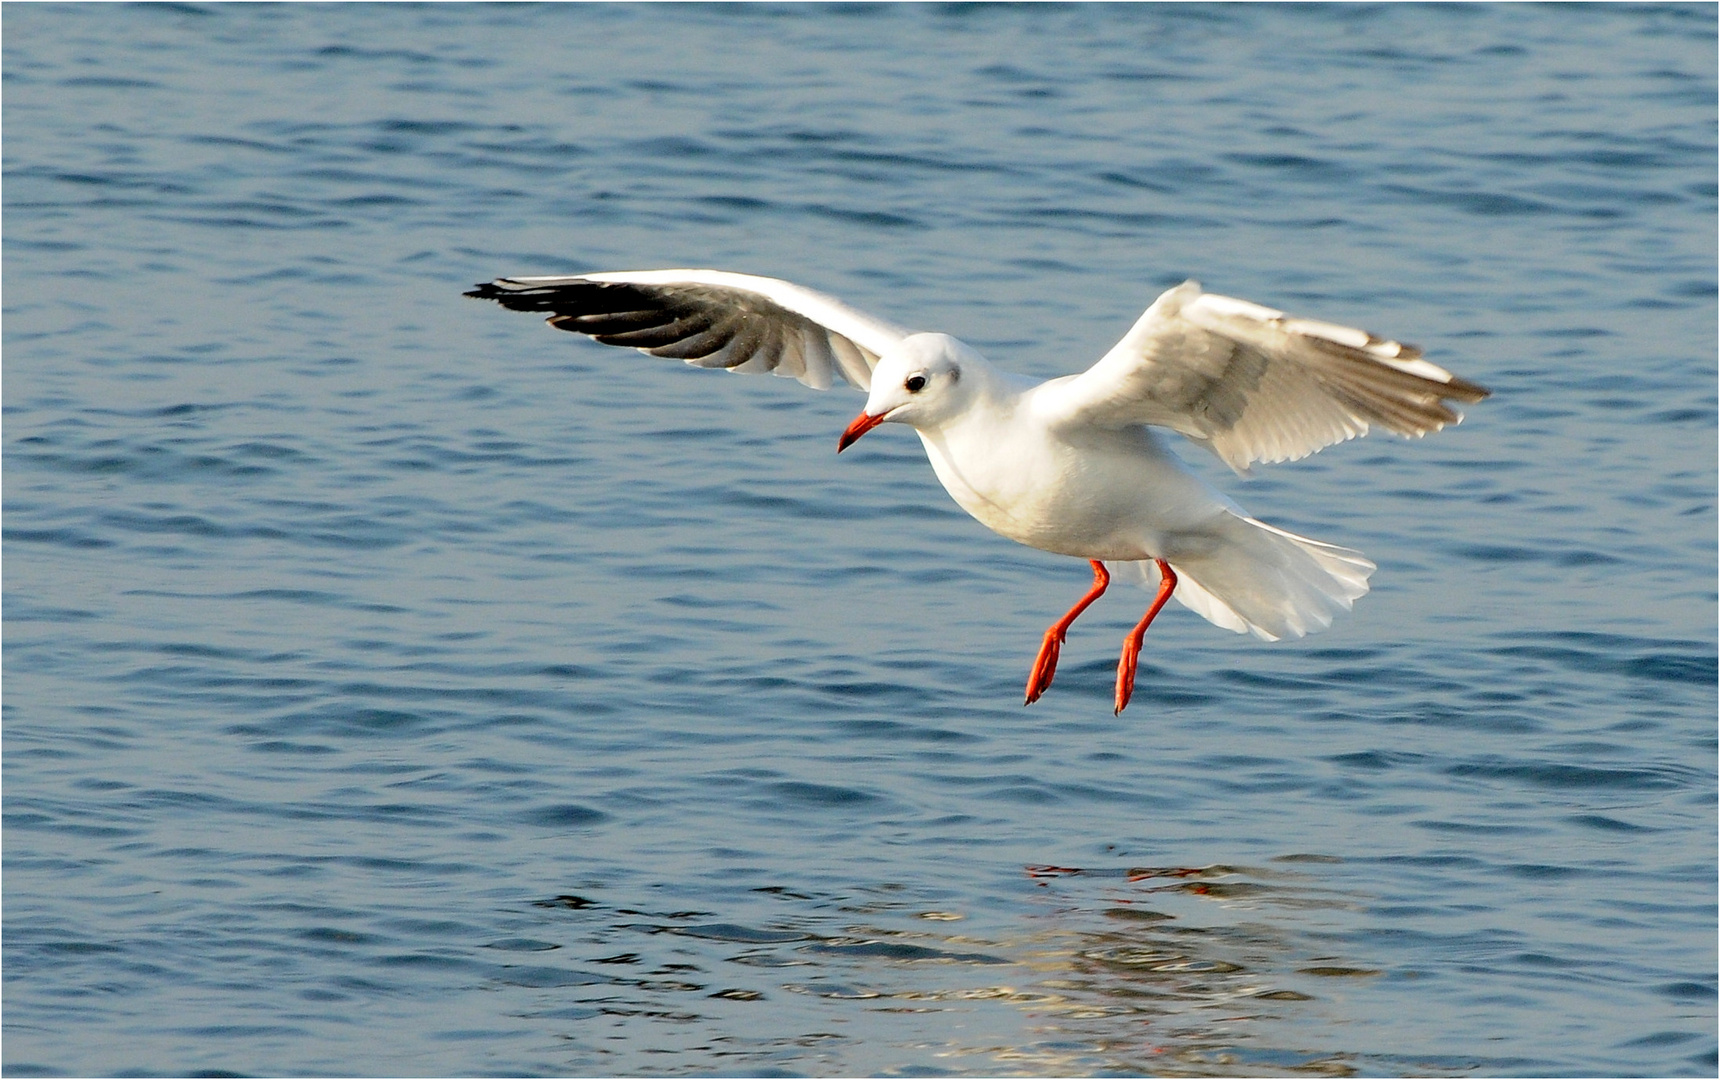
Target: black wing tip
[1465,391]
[488,290]
[517,295]
[506,289]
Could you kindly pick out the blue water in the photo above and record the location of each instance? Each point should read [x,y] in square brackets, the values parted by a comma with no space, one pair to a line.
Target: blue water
[396,686]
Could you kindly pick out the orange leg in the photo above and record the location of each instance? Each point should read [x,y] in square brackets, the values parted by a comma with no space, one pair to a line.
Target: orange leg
[1132,643]
[1045,666]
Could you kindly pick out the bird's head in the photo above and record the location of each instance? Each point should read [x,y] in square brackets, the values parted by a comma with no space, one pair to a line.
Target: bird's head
[923,381]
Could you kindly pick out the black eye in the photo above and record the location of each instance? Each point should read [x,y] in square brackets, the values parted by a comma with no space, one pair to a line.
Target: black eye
[915,383]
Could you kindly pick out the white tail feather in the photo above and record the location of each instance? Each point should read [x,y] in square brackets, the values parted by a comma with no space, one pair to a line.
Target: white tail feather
[1264,581]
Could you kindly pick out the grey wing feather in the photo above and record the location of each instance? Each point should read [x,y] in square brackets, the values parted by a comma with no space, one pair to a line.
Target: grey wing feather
[711,319]
[1252,384]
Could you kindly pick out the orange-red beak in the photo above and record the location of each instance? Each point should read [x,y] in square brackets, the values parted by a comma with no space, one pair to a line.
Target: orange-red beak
[861,425]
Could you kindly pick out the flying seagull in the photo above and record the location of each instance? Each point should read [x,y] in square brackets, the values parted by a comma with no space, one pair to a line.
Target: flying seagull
[1077,465]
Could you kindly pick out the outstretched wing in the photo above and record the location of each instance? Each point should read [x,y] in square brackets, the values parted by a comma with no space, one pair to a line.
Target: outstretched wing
[1253,384]
[711,318]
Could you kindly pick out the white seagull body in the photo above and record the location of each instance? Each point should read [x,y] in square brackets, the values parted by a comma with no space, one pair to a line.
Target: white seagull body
[1074,465]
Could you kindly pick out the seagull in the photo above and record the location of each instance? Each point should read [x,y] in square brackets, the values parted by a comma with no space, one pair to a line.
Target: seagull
[1078,465]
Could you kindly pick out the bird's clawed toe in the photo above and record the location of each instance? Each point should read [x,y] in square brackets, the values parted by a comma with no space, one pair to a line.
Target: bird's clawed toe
[1126,675]
[1044,667]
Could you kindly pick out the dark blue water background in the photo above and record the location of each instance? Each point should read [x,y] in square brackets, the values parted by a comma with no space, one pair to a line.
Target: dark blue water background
[396,686]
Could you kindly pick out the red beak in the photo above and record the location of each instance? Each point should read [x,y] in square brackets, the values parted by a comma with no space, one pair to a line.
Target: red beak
[861,425]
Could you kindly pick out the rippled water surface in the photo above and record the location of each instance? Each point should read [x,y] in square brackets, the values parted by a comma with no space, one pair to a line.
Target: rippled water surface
[395,686]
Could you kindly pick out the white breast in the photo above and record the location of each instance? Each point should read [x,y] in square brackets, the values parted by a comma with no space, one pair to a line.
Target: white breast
[1113,496]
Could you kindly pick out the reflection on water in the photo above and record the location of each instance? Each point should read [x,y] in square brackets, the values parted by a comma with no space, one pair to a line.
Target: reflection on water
[1185,972]
[1161,970]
